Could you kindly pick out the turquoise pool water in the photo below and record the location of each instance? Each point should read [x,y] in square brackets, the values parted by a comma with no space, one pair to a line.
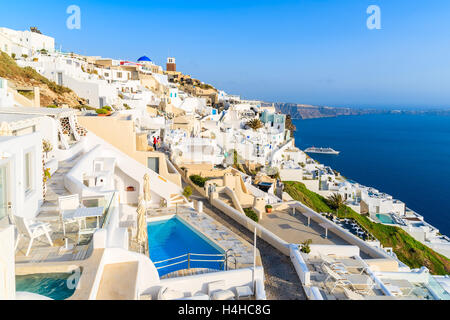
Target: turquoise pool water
[173,238]
[384,218]
[53,285]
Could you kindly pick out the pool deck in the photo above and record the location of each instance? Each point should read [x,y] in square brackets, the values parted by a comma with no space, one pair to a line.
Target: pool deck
[215,232]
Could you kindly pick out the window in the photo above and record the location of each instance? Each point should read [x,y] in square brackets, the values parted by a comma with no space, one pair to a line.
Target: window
[119,74]
[28,174]
[3,191]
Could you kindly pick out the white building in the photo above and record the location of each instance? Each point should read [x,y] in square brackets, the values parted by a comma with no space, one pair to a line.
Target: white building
[24,42]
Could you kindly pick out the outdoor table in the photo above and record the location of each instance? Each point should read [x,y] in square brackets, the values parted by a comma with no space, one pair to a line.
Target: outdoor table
[84,213]
[326,226]
[308,215]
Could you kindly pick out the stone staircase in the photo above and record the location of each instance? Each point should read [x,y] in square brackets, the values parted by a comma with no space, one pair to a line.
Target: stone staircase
[176,199]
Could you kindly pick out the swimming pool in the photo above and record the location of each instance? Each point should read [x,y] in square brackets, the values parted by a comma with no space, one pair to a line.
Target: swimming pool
[57,286]
[173,238]
[384,218]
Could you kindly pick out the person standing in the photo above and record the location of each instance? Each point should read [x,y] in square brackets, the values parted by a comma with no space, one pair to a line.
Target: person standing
[154,143]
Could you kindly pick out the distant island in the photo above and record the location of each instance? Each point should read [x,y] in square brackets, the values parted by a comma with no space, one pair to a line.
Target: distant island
[304,111]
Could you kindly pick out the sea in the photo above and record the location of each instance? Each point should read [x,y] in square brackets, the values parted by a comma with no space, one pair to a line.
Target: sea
[404,155]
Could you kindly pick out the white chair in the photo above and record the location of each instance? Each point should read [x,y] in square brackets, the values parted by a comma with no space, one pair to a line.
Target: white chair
[32,231]
[66,206]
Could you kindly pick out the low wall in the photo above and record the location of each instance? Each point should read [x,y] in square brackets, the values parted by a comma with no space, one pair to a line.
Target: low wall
[191,285]
[341,251]
[300,266]
[234,198]
[75,149]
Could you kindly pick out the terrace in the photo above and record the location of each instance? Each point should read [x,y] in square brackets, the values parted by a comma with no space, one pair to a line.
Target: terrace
[297,228]
[342,276]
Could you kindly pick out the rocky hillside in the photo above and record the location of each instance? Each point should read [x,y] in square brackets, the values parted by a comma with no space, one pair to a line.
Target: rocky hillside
[51,93]
[303,111]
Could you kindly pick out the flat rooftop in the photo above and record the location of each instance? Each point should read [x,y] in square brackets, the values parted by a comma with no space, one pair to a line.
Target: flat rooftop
[295,229]
[52,112]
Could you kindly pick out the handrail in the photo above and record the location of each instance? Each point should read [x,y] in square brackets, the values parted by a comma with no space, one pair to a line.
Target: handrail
[184,255]
[107,211]
[227,256]
[189,260]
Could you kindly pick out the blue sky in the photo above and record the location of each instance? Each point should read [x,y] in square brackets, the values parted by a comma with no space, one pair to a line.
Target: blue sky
[314,52]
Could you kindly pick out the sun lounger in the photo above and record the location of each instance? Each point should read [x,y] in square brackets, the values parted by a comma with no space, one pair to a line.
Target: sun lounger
[333,264]
[352,295]
[355,281]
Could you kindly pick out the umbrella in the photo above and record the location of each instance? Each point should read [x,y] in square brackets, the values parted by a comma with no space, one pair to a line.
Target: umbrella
[142,222]
[147,195]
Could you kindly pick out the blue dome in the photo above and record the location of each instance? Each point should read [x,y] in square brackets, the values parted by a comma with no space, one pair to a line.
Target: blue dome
[144,59]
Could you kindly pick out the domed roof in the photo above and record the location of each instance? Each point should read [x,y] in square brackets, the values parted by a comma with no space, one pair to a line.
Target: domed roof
[144,59]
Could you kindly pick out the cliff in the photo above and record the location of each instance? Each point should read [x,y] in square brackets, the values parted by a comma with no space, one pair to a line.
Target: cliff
[302,111]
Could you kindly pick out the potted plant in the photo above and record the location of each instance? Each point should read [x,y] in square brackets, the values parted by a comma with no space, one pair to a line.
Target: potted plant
[187,192]
[102,112]
[45,178]
[305,246]
[46,147]
[269,208]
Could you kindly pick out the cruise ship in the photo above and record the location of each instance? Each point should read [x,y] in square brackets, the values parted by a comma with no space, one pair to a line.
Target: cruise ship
[322,150]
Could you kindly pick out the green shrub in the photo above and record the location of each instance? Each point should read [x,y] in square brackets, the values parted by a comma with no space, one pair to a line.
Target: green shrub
[101,111]
[187,192]
[52,106]
[305,248]
[107,108]
[251,214]
[198,180]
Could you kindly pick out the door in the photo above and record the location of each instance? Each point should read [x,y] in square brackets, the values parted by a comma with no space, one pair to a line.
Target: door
[5,204]
[153,164]
[60,78]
